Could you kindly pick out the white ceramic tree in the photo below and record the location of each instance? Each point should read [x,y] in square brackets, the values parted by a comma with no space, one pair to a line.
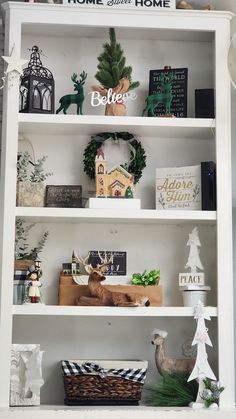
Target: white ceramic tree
[201,368]
[194,261]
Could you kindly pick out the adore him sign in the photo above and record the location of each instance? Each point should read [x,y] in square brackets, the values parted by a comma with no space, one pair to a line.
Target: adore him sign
[125,4]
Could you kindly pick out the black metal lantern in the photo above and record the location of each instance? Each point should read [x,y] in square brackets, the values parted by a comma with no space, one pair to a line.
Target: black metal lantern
[37,86]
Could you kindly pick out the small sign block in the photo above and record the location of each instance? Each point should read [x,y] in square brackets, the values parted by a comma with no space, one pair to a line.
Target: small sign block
[191,279]
[64,196]
[178,106]
[118,265]
[124,4]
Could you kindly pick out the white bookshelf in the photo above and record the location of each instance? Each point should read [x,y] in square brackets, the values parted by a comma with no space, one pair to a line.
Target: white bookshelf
[197,40]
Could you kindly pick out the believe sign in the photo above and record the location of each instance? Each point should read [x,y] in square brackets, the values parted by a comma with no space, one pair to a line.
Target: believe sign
[125,4]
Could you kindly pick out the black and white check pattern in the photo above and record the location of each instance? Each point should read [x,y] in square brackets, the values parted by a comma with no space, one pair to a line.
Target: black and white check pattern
[72,368]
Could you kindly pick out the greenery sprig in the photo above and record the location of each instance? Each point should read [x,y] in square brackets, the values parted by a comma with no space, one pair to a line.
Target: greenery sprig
[22,250]
[146,278]
[211,392]
[37,174]
[173,390]
[137,161]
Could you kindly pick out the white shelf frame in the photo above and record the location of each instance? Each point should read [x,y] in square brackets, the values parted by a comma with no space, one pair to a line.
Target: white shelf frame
[117,412]
[19,14]
[120,216]
[91,124]
[43,310]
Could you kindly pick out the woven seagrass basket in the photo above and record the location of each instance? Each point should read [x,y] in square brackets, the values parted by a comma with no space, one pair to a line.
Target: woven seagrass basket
[103,382]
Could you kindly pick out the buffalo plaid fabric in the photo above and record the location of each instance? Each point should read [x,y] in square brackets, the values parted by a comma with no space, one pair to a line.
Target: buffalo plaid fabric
[72,368]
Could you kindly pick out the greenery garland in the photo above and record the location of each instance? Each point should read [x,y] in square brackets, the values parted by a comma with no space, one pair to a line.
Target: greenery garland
[137,158]
[173,390]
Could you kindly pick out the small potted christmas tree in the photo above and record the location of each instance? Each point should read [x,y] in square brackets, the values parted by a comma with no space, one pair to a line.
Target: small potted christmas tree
[113,75]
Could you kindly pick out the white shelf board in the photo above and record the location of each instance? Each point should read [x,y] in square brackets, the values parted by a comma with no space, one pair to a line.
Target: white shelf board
[117,412]
[92,124]
[44,310]
[143,216]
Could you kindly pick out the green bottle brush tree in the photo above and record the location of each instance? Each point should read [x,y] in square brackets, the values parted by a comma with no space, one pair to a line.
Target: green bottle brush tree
[113,74]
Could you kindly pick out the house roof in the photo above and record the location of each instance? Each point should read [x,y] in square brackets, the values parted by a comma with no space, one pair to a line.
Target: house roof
[120,169]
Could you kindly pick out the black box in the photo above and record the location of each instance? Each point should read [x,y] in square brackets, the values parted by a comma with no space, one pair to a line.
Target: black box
[178,106]
[208,181]
[204,103]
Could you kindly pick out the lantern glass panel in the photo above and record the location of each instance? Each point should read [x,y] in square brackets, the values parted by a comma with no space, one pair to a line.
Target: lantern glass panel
[24,89]
[42,96]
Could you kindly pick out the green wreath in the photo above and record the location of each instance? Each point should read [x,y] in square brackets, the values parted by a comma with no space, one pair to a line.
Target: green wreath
[137,153]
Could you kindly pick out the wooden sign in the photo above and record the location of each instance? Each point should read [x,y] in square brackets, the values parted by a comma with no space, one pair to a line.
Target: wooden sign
[178,188]
[124,4]
[191,279]
[63,196]
[178,106]
[118,265]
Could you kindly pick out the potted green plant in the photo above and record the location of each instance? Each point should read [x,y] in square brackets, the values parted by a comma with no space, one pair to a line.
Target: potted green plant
[24,255]
[30,183]
[146,278]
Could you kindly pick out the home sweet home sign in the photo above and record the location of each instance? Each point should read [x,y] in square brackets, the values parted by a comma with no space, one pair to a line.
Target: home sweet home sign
[125,4]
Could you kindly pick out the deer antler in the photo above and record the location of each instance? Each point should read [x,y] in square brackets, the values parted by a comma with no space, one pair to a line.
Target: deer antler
[104,262]
[170,77]
[74,78]
[88,267]
[83,76]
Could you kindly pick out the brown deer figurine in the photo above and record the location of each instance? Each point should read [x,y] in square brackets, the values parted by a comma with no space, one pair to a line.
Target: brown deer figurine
[77,98]
[100,296]
[165,364]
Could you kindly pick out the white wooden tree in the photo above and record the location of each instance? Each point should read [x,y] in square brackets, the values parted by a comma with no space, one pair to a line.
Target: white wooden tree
[201,368]
[194,261]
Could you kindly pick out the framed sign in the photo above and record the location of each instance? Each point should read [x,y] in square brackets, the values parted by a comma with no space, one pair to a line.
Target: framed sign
[178,106]
[125,4]
[118,265]
[178,188]
[63,196]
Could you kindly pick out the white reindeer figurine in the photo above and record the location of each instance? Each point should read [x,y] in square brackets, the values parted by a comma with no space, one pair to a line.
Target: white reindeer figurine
[165,364]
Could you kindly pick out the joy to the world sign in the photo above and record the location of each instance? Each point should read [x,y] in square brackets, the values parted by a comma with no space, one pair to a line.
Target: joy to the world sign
[126,4]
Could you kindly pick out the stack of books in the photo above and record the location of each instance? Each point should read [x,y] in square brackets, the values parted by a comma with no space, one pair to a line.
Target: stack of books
[19,286]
